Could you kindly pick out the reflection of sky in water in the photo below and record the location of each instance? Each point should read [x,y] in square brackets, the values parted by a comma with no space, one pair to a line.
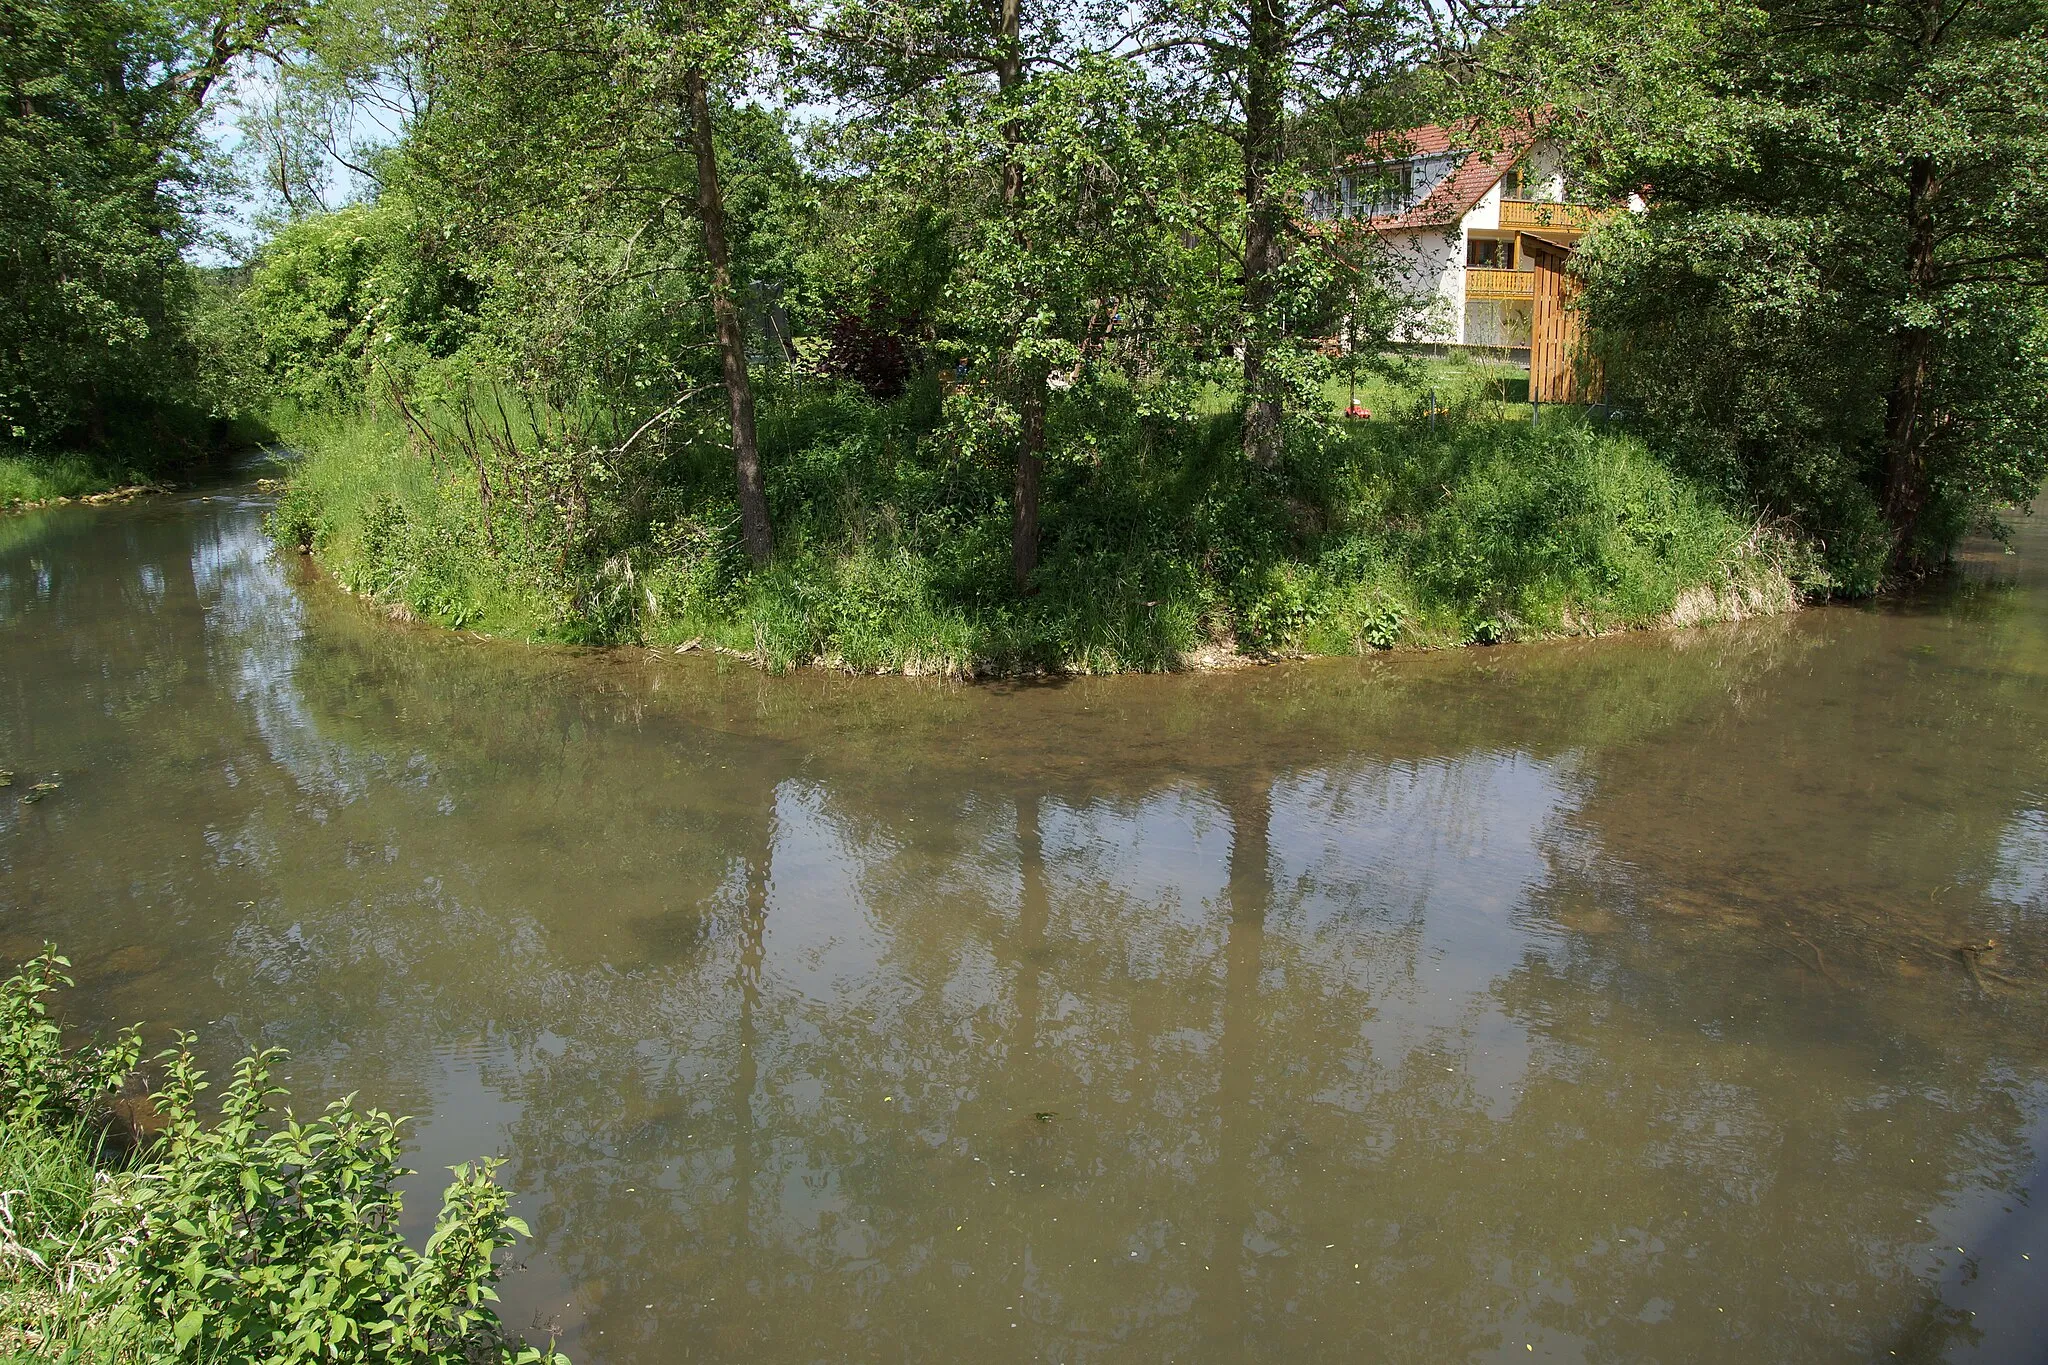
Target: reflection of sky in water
[2022,878]
[255,626]
[1399,881]
[820,938]
[1168,854]
[1405,878]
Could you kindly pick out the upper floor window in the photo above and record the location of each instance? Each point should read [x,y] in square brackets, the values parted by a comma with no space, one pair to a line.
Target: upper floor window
[1378,189]
[1489,254]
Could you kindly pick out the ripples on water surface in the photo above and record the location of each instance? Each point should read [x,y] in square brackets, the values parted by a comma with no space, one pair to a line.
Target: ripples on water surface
[1597,998]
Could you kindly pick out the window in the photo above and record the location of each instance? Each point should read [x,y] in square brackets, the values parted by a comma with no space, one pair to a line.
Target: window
[1403,191]
[1515,184]
[1489,254]
[1378,189]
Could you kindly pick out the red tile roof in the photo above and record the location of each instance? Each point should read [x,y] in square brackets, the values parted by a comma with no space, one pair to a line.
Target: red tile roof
[1482,165]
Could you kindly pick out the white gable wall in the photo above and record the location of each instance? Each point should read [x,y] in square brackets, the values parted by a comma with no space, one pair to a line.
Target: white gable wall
[1543,173]
[1428,273]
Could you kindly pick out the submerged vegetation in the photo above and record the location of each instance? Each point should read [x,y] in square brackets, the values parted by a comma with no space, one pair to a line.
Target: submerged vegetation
[144,1229]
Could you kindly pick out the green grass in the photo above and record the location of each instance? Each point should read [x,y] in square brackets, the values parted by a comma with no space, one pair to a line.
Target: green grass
[1445,520]
[24,480]
[46,1313]
[390,529]
[1392,387]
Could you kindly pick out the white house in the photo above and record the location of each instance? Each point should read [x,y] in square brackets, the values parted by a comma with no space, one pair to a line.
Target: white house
[1464,222]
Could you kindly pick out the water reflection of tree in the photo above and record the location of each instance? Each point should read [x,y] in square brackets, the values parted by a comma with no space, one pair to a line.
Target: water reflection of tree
[585,865]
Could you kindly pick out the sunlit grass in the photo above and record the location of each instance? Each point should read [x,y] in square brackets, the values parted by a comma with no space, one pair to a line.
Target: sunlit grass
[1449,518]
[26,480]
[45,1312]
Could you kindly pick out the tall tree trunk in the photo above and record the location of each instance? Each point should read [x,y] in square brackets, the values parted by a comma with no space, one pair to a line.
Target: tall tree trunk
[1029,378]
[732,339]
[1905,424]
[1264,218]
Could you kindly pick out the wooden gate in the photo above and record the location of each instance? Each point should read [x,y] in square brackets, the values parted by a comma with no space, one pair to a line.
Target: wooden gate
[1561,370]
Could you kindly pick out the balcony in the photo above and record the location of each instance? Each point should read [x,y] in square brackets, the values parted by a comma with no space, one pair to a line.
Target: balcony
[1540,216]
[1486,282]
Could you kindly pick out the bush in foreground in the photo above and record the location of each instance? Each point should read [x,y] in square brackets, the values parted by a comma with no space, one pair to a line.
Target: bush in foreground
[258,1237]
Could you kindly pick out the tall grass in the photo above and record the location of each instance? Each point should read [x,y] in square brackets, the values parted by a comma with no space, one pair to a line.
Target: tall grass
[24,480]
[1449,518]
[47,1182]
[391,530]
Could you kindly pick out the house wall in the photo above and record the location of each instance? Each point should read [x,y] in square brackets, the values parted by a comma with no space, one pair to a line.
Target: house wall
[1365,191]
[1497,322]
[1428,273]
[1427,268]
[1484,215]
[1543,173]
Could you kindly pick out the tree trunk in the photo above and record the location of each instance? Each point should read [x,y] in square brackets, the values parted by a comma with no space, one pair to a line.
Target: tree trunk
[1224,1303]
[1264,218]
[1029,378]
[732,340]
[1905,419]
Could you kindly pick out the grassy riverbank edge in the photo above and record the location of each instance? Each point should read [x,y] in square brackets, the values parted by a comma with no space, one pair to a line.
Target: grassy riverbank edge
[135,465]
[1400,534]
[27,484]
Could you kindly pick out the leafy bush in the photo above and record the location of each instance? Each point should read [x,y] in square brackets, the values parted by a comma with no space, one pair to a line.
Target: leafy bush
[41,1084]
[257,1237]
[269,1239]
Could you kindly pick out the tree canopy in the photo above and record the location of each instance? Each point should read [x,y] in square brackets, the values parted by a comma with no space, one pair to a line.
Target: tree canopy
[604,224]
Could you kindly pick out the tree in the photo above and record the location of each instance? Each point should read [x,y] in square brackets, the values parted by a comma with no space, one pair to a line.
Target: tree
[1837,285]
[983,58]
[594,129]
[1264,70]
[101,167]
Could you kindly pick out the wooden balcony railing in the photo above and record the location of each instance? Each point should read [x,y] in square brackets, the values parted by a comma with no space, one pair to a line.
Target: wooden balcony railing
[1531,213]
[1485,282]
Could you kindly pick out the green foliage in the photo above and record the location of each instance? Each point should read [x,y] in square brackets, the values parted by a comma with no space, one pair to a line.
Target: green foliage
[253,1237]
[334,296]
[1826,308]
[514,419]
[51,1179]
[32,479]
[1159,540]
[102,163]
[269,1239]
[42,1084]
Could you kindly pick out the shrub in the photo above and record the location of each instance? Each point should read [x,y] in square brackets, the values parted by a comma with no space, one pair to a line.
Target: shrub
[1459,521]
[258,1237]
[41,1084]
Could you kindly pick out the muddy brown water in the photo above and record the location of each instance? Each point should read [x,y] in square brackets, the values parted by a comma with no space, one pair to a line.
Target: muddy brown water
[1601,1001]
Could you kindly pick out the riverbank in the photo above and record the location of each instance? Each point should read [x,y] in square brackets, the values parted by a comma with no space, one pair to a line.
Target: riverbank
[1453,522]
[28,482]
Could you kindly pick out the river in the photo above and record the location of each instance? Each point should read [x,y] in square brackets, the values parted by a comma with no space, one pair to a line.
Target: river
[1585,1001]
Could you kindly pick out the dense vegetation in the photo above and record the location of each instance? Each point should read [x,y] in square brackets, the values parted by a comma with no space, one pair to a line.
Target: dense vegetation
[116,355]
[1160,540]
[146,1232]
[1018,349]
